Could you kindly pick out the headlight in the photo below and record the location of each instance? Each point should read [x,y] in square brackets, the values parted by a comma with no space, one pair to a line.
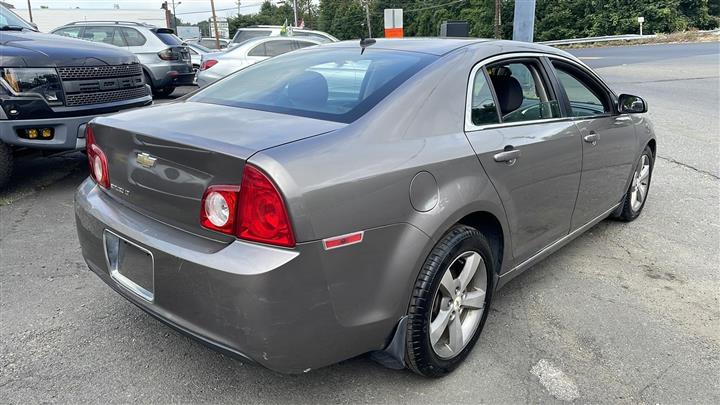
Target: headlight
[42,81]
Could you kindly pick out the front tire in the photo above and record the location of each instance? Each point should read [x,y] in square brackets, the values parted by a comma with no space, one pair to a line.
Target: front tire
[450,302]
[6,164]
[637,193]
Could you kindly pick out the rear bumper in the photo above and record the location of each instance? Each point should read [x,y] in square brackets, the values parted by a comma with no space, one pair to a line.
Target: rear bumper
[284,309]
[171,74]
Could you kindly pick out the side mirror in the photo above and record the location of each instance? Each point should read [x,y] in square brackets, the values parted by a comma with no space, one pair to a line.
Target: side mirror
[629,104]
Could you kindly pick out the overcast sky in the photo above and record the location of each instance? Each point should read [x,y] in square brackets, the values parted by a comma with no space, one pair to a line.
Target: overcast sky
[198,9]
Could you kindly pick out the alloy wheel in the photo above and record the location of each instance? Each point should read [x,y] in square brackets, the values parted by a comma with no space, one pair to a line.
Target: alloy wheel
[458,304]
[640,184]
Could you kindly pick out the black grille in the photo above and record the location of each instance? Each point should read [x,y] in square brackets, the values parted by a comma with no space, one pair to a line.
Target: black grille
[98,72]
[101,97]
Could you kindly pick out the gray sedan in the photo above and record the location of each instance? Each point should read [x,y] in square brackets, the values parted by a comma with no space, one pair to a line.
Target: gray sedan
[358,198]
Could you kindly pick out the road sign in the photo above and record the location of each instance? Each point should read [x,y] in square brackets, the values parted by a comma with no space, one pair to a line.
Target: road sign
[393,23]
[641,20]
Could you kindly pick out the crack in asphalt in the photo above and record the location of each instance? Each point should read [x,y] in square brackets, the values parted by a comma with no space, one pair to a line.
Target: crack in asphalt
[701,171]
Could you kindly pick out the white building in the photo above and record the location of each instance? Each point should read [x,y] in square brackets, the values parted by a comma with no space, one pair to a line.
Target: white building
[48,19]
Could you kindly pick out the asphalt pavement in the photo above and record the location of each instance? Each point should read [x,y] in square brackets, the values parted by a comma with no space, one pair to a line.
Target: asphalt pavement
[625,313]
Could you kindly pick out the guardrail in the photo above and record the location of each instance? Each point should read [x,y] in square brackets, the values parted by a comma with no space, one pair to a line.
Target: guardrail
[606,38]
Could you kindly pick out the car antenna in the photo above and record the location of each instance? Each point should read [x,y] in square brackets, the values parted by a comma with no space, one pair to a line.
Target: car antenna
[365,42]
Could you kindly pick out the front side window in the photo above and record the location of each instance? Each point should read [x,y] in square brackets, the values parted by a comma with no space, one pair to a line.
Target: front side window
[483,110]
[584,101]
[522,93]
[133,36]
[337,85]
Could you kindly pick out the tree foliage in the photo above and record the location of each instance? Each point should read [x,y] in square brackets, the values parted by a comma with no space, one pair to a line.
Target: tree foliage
[555,19]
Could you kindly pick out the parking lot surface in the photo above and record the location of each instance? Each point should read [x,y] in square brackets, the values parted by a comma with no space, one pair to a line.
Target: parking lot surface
[625,313]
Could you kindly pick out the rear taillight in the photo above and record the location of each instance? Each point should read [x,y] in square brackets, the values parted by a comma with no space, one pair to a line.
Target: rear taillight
[96,159]
[207,64]
[255,211]
[168,54]
[219,208]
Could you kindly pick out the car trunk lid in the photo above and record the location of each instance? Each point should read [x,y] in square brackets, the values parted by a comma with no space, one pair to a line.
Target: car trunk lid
[162,159]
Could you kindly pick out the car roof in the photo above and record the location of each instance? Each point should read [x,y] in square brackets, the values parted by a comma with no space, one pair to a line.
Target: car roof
[442,46]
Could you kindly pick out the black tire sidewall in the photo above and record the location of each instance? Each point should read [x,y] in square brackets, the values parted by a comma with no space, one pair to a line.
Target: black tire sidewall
[6,164]
[627,213]
[427,362]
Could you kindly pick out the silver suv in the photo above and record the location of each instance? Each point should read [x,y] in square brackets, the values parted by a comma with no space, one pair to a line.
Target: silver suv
[164,56]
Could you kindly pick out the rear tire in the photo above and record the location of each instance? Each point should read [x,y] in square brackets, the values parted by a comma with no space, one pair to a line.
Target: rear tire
[164,92]
[443,326]
[6,164]
[637,193]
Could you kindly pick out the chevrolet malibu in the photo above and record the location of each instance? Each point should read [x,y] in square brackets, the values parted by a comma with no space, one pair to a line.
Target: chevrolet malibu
[358,198]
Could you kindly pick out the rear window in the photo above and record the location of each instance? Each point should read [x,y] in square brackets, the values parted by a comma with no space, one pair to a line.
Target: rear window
[330,84]
[244,35]
[168,37]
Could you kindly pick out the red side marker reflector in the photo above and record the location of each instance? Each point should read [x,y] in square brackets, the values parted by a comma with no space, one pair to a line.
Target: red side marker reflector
[343,240]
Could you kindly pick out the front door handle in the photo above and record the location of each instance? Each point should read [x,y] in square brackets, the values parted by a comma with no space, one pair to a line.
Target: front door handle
[592,138]
[508,156]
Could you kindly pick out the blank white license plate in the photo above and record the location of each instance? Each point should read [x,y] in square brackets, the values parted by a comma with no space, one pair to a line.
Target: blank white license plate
[130,265]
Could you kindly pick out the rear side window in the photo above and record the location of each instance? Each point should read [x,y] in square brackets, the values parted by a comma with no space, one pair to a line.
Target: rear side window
[258,51]
[522,92]
[168,37]
[336,85]
[244,35]
[302,44]
[133,37]
[72,32]
[584,97]
[483,110]
[276,48]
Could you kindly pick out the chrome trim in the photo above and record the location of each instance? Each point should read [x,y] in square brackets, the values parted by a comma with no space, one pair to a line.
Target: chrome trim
[555,245]
[470,127]
[121,279]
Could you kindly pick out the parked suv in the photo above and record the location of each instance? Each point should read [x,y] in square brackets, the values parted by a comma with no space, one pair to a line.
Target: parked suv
[164,56]
[244,34]
[50,87]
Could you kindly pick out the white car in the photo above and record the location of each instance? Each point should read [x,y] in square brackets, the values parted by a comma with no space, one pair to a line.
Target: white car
[217,65]
[257,31]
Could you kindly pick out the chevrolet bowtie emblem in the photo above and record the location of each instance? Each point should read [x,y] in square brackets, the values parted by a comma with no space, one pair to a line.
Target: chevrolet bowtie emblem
[145,160]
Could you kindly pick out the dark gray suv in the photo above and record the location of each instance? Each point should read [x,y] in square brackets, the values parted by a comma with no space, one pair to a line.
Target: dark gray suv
[165,58]
[50,87]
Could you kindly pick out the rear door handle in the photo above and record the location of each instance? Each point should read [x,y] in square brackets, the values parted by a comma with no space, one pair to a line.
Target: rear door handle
[592,138]
[508,156]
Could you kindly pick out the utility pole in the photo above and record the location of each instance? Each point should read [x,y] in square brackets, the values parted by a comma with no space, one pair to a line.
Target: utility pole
[174,16]
[30,11]
[238,4]
[214,20]
[367,17]
[295,12]
[498,5]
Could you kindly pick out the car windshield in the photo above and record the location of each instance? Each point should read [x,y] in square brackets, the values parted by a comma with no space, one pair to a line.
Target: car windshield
[243,35]
[200,48]
[10,19]
[331,84]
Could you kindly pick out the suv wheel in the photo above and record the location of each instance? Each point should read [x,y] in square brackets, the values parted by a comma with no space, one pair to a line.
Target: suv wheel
[164,92]
[450,302]
[6,164]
